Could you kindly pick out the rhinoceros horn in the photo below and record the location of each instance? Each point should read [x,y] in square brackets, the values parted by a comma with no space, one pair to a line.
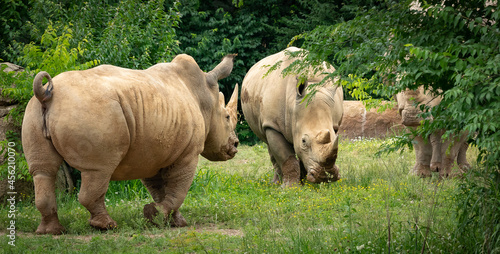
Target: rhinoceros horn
[232,105]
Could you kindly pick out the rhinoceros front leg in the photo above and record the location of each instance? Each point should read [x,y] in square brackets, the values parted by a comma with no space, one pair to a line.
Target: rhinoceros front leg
[423,153]
[437,155]
[94,186]
[277,169]
[450,152]
[288,167]
[169,189]
[462,157]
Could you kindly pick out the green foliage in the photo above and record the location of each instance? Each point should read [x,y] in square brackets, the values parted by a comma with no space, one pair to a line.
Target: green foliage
[14,161]
[13,15]
[245,134]
[451,48]
[135,34]
[208,35]
[479,213]
[54,55]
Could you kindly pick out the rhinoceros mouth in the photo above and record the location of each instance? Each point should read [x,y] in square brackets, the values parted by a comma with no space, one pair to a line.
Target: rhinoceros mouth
[410,117]
[230,149]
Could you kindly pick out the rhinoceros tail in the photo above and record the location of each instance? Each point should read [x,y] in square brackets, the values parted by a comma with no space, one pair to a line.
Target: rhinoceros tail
[43,95]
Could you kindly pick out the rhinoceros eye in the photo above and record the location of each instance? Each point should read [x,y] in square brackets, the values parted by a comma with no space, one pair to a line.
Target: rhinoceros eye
[305,142]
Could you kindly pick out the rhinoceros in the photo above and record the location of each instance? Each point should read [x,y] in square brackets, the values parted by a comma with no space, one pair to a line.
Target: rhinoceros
[301,136]
[433,154]
[113,123]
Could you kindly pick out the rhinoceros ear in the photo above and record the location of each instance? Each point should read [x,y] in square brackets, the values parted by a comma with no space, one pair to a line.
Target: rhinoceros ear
[221,99]
[222,70]
[301,86]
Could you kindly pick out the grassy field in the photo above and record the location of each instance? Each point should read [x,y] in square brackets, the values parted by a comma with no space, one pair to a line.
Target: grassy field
[232,207]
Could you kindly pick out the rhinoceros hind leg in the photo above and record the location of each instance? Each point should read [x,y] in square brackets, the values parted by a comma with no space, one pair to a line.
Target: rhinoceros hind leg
[45,201]
[169,192]
[92,195]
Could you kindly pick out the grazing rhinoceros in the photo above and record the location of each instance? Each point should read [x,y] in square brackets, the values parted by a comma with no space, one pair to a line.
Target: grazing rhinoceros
[274,109]
[432,154]
[113,123]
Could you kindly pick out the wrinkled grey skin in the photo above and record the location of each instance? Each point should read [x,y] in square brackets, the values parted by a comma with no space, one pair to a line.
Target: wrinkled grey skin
[301,137]
[432,154]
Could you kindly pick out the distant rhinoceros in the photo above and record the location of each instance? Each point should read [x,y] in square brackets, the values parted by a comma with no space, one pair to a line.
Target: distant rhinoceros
[432,154]
[113,123]
[274,108]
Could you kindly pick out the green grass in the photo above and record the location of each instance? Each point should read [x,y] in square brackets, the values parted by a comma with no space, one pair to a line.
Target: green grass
[233,207]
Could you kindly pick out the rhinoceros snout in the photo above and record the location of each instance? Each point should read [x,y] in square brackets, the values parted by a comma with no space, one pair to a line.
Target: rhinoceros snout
[323,175]
[409,117]
[232,146]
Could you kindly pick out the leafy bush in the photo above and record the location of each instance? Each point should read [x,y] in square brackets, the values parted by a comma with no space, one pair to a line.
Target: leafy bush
[135,34]
[451,49]
[54,55]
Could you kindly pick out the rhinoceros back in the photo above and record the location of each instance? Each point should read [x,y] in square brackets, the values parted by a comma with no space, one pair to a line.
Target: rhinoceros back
[133,116]
[267,98]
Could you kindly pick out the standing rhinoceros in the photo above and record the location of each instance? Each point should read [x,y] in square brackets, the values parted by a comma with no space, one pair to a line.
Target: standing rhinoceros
[274,109]
[113,123]
[432,154]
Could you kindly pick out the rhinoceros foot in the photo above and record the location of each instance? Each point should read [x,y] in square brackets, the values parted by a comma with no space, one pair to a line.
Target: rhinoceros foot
[464,167]
[176,218]
[103,222]
[150,212]
[436,167]
[421,170]
[50,226]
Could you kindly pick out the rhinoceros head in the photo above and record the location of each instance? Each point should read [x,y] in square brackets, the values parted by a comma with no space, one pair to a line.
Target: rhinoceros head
[315,131]
[408,102]
[221,141]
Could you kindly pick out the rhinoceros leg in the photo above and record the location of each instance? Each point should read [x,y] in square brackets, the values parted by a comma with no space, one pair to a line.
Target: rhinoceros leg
[277,169]
[91,196]
[450,151]
[436,144]
[462,157]
[284,157]
[45,201]
[169,189]
[423,153]
[44,162]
